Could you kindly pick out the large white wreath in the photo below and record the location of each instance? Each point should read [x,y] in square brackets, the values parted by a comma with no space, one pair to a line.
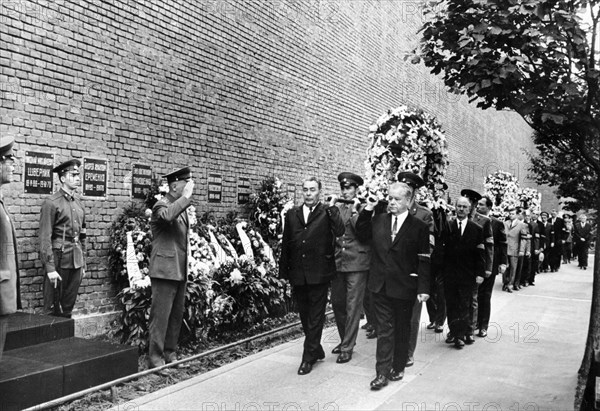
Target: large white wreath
[407,140]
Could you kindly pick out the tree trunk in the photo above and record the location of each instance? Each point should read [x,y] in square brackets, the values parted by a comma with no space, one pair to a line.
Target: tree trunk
[593,339]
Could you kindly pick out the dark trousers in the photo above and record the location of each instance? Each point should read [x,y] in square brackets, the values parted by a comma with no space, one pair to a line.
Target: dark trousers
[524,270]
[555,256]
[567,252]
[473,310]
[436,304]
[535,267]
[415,327]
[68,289]
[484,299]
[393,332]
[368,307]
[582,254]
[3,332]
[347,293]
[166,316]
[458,301]
[312,300]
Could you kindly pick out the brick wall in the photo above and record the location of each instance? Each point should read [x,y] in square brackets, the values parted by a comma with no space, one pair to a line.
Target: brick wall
[242,89]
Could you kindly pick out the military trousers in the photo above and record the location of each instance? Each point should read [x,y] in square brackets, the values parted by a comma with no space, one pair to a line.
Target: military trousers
[64,294]
[166,316]
[347,294]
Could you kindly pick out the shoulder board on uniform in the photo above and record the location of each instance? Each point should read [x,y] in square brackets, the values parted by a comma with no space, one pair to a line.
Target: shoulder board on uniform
[481,246]
[56,195]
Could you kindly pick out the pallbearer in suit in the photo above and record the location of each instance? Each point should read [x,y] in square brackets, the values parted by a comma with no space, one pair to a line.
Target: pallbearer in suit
[399,274]
[488,237]
[169,266]
[516,233]
[464,258]
[352,258]
[307,261]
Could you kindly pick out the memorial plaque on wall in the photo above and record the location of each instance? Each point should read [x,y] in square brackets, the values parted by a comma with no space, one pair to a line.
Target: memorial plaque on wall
[215,188]
[38,172]
[243,190]
[291,192]
[95,173]
[141,181]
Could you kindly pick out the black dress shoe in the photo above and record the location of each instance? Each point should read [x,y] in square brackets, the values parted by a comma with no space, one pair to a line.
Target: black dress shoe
[482,333]
[430,326]
[396,375]
[371,334]
[515,288]
[450,339]
[364,326]
[508,290]
[305,368]
[345,356]
[469,339]
[458,343]
[337,350]
[379,382]
[409,362]
[439,328]
[532,284]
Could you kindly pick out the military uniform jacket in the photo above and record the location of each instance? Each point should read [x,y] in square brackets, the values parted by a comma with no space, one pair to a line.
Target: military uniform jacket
[61,219]
[499,244]
[464,256]
[488,239]
[10,299]
[308,247]
[351,254]
[395,263]
[169,226]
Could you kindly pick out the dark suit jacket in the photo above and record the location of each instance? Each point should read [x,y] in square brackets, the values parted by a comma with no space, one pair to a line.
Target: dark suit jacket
[488,237]
[392,263]
[499,244]
[464,256]
[169,225]
[580,232]
[558,228]
[307,249]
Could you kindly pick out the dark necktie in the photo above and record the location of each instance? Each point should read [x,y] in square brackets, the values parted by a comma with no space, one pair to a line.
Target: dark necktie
[310,210]
[460,228]
[394,227]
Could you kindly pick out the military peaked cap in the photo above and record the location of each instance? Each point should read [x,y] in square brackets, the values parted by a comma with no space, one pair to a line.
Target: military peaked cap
[347,179]
[411,179]
[71,165]
[472,195]
[181,174]
[6,147]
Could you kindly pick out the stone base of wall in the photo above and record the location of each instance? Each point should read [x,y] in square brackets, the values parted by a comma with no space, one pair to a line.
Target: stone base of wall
[88,326]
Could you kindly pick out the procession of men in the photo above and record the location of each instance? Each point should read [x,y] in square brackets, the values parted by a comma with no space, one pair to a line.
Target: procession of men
[379,255]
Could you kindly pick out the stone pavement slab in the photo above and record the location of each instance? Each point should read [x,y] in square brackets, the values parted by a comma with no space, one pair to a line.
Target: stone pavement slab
[528,362]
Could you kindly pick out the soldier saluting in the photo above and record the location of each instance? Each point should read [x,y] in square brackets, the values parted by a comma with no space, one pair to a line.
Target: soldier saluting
[62,235]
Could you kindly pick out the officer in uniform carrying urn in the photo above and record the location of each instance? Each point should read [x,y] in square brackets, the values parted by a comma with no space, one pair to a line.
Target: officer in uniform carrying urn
[62,242]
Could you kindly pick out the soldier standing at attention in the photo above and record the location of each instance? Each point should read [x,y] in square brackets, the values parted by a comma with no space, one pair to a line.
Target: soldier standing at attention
[9,269]
[62,242]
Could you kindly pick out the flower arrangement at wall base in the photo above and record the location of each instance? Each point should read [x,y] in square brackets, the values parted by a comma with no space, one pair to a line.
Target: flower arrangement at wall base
[232,284]
[407,140]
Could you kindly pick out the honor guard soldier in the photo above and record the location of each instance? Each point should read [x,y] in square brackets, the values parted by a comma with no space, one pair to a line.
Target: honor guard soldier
[62,242]
[352,258]
[9,269]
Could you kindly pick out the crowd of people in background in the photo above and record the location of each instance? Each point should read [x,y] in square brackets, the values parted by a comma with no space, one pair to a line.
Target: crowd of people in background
[387,255]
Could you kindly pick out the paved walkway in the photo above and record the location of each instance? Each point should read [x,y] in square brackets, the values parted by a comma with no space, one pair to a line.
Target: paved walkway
[528,362]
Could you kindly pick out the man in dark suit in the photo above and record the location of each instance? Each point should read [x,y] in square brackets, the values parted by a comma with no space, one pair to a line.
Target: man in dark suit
[538,240]
[464,258]
[352,258]
[307,261]
[169,267]
[399,274]
[486,225]
[558,225]
[548,240]
[10,300]
[582,234]
[484,206]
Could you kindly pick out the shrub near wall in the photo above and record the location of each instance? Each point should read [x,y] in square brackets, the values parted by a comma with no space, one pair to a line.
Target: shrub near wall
[238,89]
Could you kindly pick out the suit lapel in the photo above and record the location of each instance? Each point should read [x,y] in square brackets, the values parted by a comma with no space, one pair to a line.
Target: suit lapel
[300,214]
[404,228]
[316,211]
